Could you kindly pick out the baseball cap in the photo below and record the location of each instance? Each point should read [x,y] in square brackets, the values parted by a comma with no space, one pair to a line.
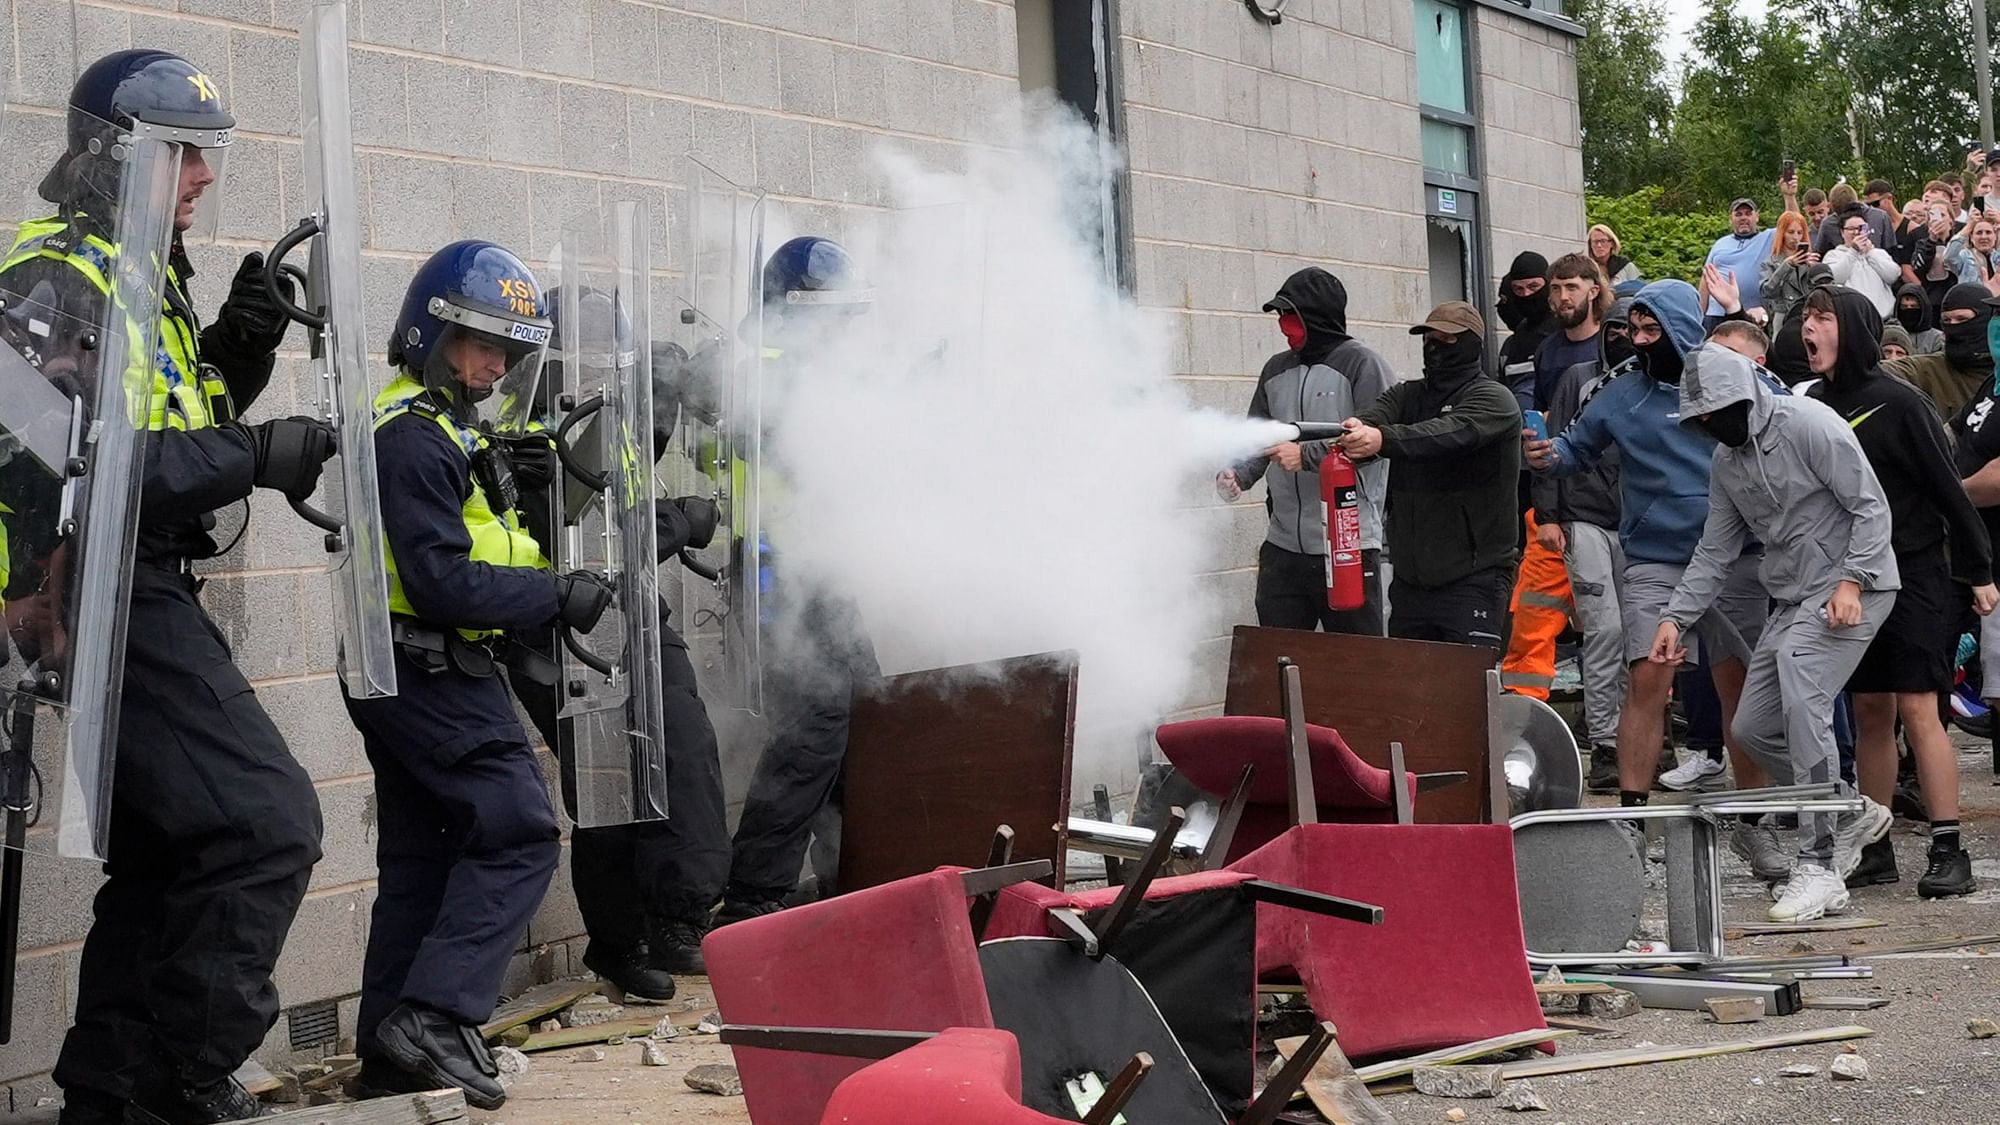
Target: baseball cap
[1745,201]
[1452,317]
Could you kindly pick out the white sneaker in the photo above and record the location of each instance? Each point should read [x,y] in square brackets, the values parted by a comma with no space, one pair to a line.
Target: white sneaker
[1758,845]
[1695,772]
[1813,892]
[1857,831]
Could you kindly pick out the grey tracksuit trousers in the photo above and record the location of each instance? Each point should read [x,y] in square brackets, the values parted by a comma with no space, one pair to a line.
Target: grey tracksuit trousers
[1595,560]
[1785,720]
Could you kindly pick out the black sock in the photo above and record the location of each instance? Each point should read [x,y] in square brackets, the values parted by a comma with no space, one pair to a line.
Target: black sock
[1944,835]
[1627,799]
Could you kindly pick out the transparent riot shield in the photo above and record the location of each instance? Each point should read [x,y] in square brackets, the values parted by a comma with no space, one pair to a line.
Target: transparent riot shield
[349,508]
[611,720]
[718,314]
[80,299]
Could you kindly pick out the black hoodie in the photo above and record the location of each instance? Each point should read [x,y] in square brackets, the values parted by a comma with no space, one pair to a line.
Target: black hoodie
[1321,302]
[1907,447]
[1924,334]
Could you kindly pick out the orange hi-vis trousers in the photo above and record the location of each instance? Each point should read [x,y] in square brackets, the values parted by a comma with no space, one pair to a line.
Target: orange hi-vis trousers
[1541,609]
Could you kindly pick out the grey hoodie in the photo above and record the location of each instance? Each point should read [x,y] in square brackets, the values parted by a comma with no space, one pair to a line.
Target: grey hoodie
[1339,387]
[1801,485]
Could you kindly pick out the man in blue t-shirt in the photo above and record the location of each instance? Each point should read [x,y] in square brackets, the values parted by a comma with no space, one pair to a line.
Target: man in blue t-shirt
[1737,254]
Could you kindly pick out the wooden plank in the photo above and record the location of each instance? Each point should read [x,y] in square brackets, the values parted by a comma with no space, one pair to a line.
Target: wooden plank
[638,1027]
[1639,1056]
[254,1077]
[439,1107]
[1817,926]
[1573,988]
[1336,1090]
[1570,1023]
[539,1002]
[1375,690]
[1923,946]
[1846,1003]
[937,759]
[1396,1068]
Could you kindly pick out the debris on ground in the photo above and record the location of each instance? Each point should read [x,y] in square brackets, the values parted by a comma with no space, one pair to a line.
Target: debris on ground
[1799,1070]
[710,1024]
[653,1053]
[510,1062]
[1735,1009]
[715,1078]
[1982,1029]
[666,1029]
[591,1011]
[1615,1004]
[1457,1081]
[589,1054]
[1854,1068]
[1521,1098]
[1454,1115]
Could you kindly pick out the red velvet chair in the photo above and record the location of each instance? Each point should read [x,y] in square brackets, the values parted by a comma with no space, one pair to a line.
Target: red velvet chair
[965,1076]
[898,957]
[1211,754]
[1448,964]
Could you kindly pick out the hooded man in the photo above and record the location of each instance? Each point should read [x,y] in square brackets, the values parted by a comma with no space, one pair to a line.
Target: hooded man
[1324,376]
[1790,474]
[1524,308]
[1450,440]
[1585,507]
[1941,549]
[1913,312]
[1663,497]
[1960,373]
[1976,427]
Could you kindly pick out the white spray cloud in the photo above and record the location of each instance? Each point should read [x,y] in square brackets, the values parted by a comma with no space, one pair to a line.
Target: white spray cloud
[995,461]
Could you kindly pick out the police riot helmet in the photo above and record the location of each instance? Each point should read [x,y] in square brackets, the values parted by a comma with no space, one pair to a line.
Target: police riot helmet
[134,95]
[475,292]
[812,271]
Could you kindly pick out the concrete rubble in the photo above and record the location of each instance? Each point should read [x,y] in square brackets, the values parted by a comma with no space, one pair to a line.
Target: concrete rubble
[715,1078]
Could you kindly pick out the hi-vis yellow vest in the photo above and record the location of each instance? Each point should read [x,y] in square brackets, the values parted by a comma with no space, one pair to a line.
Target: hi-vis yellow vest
[184,395]
[497,538]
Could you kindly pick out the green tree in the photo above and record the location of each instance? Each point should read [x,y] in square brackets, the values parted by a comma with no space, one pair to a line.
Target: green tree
[1624,102]
[1661,243]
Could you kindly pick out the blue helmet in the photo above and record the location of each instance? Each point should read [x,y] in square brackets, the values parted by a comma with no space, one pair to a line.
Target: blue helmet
[476,288]
[810,270]
[146,93]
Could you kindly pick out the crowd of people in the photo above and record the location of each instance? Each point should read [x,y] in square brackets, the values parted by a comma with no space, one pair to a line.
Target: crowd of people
[1759,506]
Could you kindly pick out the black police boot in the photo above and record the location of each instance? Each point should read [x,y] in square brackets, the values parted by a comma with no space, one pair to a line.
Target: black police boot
[741,910]
[88,1107]
[441,1051]
[677,948]
[1603,769]
[1878,865]
[1950,873]
[380,1078]
[165,1101]
[631,974]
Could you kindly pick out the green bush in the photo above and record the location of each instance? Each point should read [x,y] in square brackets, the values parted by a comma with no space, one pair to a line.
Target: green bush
[1661,244]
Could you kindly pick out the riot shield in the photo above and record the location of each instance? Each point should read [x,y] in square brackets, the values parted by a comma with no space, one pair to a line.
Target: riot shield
[611,721]
[80,299]
[349,509]
[718,313]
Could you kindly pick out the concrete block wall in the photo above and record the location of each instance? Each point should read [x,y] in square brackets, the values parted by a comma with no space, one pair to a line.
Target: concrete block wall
[1534,162]
[1253,151]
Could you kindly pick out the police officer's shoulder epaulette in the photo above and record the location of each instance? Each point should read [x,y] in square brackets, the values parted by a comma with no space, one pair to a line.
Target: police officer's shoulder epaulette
[424,406]
[61,241]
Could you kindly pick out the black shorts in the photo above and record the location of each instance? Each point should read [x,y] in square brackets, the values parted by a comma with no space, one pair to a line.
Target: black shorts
[1917,648]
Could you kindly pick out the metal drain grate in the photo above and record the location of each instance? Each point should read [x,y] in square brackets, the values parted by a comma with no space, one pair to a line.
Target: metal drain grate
[313,1025]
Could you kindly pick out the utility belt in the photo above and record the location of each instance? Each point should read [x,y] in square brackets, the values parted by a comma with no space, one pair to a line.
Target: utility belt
[434,650]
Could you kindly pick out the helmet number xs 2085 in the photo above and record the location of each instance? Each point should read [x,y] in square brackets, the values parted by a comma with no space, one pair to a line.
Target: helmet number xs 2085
[520,295]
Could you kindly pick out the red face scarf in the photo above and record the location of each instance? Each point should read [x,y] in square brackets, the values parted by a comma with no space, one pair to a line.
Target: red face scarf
[1294,328]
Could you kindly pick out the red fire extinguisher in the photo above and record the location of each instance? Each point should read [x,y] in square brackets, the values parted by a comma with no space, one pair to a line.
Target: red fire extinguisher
[1340,511]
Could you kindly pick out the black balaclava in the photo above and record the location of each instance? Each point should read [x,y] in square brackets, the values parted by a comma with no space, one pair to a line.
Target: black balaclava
[1860,336]
[1320,301]
[1965,346]
[1729,425]
[1449,367]
[1914,319]
[1613,349]
[1517,311]
[1661,359]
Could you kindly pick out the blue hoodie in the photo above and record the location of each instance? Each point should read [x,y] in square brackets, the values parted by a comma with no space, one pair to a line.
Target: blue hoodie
[1663,465]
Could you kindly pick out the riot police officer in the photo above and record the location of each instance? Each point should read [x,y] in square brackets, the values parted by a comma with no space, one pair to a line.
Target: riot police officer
[644,889]
[214,827]
[810,685]
[468,839]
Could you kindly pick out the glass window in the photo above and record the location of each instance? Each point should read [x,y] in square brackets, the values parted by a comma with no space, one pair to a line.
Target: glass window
[1447,147]
[1450,259]
[1441,56]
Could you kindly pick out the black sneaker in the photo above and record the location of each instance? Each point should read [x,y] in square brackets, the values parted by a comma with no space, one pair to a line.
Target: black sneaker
[174,1103]
[1908,802]
[1603,770]
[1950,873]
[741,910]
[1878,865]
[442,1052]
[677,948]
[630,973]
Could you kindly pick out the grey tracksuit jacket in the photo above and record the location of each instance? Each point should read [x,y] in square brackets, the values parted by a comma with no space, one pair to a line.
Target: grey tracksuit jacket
[1345,383]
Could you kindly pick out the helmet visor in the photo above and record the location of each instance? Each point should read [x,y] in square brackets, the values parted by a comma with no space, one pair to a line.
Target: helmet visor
[489,377]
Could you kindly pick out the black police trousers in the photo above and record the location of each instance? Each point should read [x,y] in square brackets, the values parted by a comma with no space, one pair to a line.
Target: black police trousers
[467,842]
[214,832]
[809,694]
[1291,593]
[631,879]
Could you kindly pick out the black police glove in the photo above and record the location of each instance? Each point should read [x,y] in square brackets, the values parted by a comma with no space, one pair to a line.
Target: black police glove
[250,314]
[702,517]
[534,458]
[290,452]
[581,598]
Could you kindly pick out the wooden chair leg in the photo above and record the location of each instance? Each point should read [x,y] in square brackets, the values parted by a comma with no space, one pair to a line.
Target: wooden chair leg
[1120,1091]
[1279,1093]
[1298,763]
